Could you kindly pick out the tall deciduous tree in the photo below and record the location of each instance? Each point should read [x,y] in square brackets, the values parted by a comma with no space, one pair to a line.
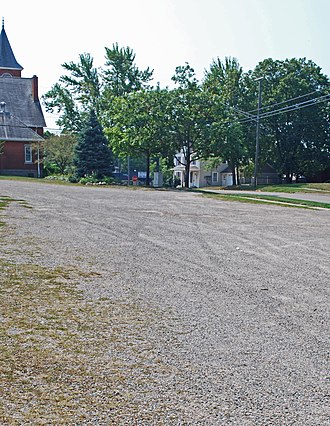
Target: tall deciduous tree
[58,152]
[225,79]
[85,87]
[136,125]
[84,82]
[75,94]
[92,153]
[60,100]
[121,75]
[190,118]
[295,134]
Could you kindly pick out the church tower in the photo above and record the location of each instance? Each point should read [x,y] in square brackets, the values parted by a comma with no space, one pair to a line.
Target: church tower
[21,118]
[8,64]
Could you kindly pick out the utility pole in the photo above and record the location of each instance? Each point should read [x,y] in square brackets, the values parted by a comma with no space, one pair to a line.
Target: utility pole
[259,80]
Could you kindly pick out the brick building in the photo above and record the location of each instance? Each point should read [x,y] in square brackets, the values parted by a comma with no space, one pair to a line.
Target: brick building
[21,119]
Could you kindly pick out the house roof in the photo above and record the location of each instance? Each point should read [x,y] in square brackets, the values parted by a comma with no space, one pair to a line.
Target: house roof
[7,58]
[13,129]
[17,93]
[227,169]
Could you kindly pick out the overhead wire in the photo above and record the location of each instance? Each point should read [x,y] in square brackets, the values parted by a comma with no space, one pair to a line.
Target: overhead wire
[288,108]
[252,117]
[286,101]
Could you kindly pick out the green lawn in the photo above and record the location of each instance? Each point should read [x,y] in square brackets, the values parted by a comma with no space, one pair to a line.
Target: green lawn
[267,199]
[288,188]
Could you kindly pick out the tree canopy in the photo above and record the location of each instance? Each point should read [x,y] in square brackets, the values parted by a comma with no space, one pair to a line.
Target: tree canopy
[212,118]
[295,116]
[136,125]
[58,152]
[190,110]
[225,80]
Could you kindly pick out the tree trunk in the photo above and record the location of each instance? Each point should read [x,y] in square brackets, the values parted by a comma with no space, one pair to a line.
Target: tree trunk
[187,175]
[187,168]
[148,170]
[233,171]
[288,177]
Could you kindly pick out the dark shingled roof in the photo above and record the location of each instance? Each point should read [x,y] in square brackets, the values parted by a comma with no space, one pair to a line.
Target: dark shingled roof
[7,58]
[17,93]
[12,129]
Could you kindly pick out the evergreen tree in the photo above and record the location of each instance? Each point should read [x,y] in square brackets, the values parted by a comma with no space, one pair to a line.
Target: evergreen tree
[92,154]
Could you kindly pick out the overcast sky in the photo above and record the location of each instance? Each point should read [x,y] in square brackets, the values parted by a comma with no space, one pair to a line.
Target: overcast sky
[165,33]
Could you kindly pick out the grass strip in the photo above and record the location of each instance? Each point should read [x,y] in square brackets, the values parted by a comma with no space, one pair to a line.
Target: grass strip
[288,188]
[277,199]
[266,199]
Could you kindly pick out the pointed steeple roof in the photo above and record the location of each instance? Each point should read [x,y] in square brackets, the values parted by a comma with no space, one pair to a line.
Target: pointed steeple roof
[7,58]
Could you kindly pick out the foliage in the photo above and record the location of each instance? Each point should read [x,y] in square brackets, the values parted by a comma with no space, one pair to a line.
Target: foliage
[84,82]
[75,94]
[296,140]
[215,118]
[121,76]
[190,112]
[136,125]
[92,154]
[58,152]
[84,87]
[226,81]
[60,100]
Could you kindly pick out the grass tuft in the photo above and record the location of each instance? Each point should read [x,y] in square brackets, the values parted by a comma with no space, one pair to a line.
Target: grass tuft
[66,359]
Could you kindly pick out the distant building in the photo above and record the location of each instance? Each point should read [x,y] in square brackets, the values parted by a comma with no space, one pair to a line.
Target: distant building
[267,175]
[201,173]
[21,118]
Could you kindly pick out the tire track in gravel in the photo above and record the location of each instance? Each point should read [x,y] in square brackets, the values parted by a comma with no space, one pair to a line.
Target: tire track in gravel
[235,288]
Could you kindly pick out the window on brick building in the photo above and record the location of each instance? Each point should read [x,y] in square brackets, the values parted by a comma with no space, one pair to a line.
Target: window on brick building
[28,154]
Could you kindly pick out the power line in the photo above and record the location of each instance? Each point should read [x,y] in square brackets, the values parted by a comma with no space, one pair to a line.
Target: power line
[289,108]
[286,101]
[298,106]
[251,117]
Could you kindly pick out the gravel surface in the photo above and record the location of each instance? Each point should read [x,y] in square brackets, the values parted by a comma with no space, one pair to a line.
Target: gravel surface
[232,299]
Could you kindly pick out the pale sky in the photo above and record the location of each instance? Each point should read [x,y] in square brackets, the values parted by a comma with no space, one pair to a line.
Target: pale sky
[164,33]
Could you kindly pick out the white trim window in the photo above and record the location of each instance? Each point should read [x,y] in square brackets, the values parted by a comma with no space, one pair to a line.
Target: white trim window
[214,177]
[28,154]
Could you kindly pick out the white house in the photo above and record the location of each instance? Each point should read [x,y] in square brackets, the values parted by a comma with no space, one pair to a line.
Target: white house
[202,174]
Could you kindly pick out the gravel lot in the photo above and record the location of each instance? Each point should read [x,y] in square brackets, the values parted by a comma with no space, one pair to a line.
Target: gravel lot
[234,298]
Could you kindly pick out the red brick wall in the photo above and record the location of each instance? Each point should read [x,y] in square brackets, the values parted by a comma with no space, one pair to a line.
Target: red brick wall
[13,158]
[14,73]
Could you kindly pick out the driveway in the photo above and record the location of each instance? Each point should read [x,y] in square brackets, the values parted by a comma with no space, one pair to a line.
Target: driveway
[233,298]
